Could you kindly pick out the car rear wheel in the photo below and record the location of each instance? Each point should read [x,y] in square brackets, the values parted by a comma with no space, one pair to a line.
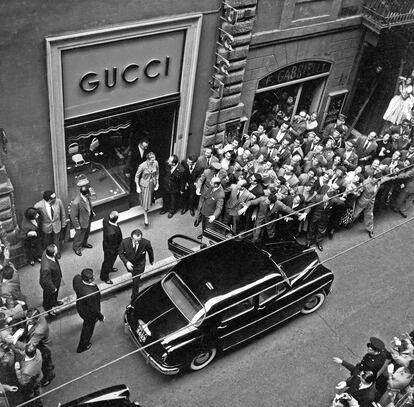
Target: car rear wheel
[313,303]
[202,358]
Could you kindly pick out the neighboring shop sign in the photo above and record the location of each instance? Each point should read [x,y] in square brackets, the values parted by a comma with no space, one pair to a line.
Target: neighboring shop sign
[295,72]
[334,106]
[123,72]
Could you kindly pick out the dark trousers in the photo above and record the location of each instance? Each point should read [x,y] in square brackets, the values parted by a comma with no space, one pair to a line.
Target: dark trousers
[49,238]
[170,201]
[136,272]
[50,299]
[81,237]
[316,230]
[47,364]
[33,248]
[86,333]
[190,199]
[108,263]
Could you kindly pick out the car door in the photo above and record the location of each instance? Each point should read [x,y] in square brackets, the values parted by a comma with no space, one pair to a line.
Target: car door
[236,323]
[274,306]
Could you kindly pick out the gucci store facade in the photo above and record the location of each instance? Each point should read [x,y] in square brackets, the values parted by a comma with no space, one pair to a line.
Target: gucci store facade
[110,88]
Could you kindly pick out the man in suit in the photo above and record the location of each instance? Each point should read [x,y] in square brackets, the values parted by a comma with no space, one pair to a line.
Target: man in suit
[173,186]
[11,284]
[204,181]
[112,238]
[268,209]
[29,372]
[132,252]
[207,158]
[50,278]
[88,305]
[283,152]
[136,156]
[405,198]
[36,332]
[81,214]
[366,148]
[52,217]
[408,155]
[348,155]
[282,132]
[211,203]
[312,140]
[192,172]
[270,151]
[237,197]
[338,125]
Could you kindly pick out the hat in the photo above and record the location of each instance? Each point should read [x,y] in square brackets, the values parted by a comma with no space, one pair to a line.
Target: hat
[376,344]
[215,165]
[342,116]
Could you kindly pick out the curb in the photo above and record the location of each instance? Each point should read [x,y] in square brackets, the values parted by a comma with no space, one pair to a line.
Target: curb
[157,270]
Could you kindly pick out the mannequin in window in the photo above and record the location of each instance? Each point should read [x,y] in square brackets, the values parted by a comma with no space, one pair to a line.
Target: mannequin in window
[400,105]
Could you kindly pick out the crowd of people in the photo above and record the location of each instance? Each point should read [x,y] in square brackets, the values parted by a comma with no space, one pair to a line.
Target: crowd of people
[332,177]
[318,181]
[383,378]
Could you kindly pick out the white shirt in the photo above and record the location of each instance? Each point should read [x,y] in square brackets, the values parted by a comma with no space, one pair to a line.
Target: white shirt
[49,209]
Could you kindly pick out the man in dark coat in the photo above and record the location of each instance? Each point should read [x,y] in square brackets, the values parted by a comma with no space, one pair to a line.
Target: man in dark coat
[373,360]
[81,214]
[132,252]
[320,216]
[88,305]
[50,278]
[192,172]
[112,238]
[173,186]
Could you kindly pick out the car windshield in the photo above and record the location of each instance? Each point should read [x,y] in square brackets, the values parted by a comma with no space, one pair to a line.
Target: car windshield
[182,297]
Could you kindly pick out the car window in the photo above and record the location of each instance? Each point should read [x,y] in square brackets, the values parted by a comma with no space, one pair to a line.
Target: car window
[270,293]
[237,310]
[182,297]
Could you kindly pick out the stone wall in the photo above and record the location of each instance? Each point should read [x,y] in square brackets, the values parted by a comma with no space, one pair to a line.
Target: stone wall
[8,219]
[229,107]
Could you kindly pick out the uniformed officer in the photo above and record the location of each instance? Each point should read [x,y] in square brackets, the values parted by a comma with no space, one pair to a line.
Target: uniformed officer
[373,360]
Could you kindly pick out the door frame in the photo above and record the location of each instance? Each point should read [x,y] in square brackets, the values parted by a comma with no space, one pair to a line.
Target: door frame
[57,44]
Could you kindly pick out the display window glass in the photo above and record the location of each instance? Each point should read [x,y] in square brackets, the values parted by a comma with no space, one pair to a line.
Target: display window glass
[98,150]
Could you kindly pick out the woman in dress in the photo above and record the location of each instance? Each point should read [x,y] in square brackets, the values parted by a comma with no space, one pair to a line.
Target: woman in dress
[146,181]
[30,230]
[400,105]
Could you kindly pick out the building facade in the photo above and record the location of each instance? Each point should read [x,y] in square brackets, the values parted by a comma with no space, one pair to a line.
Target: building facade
[83,83]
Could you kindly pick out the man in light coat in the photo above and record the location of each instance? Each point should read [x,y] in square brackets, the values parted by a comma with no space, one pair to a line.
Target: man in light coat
[52,217]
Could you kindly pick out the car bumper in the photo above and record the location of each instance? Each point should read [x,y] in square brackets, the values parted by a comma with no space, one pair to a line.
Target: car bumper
[148,358]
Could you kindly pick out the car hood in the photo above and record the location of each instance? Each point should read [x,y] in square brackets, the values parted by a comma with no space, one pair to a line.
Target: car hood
[154,315]
[300,265]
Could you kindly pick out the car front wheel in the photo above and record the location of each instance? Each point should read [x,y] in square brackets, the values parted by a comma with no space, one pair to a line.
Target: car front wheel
[202,358]
[313,303]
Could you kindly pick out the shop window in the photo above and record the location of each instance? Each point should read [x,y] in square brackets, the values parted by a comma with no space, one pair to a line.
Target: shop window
[98,149]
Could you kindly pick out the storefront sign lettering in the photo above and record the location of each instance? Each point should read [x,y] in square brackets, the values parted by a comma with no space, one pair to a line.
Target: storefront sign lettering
[295,72]
[129,74]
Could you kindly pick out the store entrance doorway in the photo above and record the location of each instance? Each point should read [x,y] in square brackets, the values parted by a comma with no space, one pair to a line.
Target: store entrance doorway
[97,152]
[287,100]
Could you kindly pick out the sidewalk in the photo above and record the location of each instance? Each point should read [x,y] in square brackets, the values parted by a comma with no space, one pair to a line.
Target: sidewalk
[159,230]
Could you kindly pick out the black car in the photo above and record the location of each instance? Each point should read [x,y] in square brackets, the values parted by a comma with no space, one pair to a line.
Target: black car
[217,298]
[114,396]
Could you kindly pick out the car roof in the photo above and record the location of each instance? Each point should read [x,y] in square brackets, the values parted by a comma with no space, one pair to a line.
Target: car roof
[223,268]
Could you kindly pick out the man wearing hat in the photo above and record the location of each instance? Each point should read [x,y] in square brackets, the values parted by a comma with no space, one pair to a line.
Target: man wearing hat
[211,203]
[372,361]
[88,305]
[81,214]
